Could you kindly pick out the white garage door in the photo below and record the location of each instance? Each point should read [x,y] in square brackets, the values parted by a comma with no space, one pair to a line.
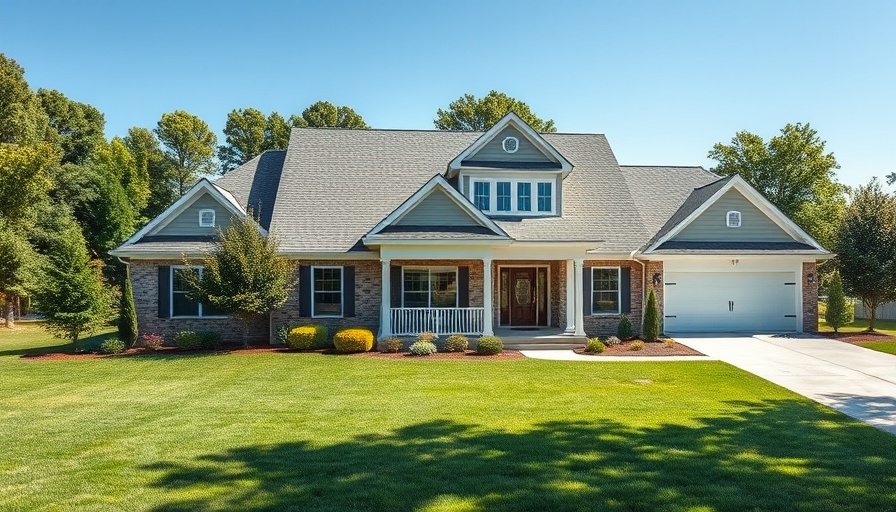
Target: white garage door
[730,302]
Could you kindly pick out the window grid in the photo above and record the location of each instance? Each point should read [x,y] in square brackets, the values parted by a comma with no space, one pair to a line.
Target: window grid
[481,195]
[327,291]
[544,197]
[605,291]
[524,196]
[485,196]
[429,287]
[181,306]
[503,202]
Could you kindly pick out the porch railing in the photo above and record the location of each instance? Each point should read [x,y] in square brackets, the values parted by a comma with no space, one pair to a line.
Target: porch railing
[410,321]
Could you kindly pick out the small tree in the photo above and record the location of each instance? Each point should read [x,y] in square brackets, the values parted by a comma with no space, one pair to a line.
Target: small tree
[243,277]
[624,330]
[838,312]
[127,315]
[651,329]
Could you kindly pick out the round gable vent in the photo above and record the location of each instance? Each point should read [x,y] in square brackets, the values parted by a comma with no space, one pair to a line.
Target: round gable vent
[510,144]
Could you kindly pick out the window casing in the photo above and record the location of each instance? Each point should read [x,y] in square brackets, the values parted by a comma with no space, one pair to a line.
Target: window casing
[207,218]
[514,196]
[429,287]
[605,291]
[181,306]
[733,219]
[327,293]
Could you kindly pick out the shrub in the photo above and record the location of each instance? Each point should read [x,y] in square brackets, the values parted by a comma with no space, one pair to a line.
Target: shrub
[192,340]
[637,345]
[127,314]
[624,330]
[595,346]
[423,348]
[489,345]
[209,340]
[152,341]
[427,336]
[838,312]
[612,341]
[391,345]
[282,334]
[456,343]
[353,340]
[669,343]
[307,336]
[651,330]
[112,346]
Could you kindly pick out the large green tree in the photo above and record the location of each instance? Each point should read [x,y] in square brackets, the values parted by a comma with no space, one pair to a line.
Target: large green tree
[115,160]
[158,167]
[470,113]
[324,114]
[243,276]
[793,171]
[190,143]
[19,270]
[78,126]
[249,133]
[866,248]
[22,119]
[23,180]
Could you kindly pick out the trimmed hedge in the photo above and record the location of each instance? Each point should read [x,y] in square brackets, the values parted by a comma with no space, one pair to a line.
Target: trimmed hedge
[456,343]
[423,348]
[112,346]
[307,336]
[489,346]
[193,340]
[353,340]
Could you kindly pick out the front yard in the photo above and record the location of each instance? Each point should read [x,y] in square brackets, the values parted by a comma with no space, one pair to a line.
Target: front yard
[315,432]
[883,341]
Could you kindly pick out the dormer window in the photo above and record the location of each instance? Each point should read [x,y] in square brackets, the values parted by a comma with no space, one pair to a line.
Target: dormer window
[207,218]
[514,196]
[732,219]
[510,144]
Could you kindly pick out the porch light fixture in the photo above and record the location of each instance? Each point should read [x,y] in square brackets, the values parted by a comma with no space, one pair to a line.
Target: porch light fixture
[656,279]
[811,277]
[734,263]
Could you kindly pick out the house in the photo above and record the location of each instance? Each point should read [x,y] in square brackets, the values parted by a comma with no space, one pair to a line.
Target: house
[405,231]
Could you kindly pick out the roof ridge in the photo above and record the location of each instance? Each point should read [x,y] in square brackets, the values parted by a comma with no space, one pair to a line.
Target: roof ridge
[666,166]
[423,130]
[723,178]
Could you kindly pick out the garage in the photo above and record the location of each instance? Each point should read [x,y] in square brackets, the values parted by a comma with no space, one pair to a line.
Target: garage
[730,302]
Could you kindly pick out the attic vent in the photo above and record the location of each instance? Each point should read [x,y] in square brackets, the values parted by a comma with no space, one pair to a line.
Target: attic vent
[510,144]
[733,219]
[207,218]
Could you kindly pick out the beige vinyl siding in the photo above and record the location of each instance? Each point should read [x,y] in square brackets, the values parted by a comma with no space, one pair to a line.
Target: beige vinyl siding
[493,151]
[437,209]
[187,223]
[711,225]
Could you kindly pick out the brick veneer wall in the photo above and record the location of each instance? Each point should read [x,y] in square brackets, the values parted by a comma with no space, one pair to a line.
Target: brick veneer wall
[810,298]
[145,282]
[605,325]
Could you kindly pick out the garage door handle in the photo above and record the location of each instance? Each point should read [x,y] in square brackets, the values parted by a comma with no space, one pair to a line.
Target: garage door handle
[730,305]
[671,316]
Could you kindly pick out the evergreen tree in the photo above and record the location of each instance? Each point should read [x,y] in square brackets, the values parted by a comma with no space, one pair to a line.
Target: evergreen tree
[651,330]
[127,316]
[838,312]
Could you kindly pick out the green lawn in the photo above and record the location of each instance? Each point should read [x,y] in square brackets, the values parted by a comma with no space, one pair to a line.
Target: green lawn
[858,325]
[314,432]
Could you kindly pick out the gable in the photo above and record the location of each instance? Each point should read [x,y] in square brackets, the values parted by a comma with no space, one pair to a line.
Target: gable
[186,222]
[527,155]
[437,209]
[710,225]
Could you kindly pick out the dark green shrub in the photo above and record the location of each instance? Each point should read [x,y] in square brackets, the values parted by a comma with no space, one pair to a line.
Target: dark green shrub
[307,336]
[188,340]
[422,348]
[456,343]
[595,346]
[624,331]
[391,345]
[651,330]
[353,340]
[127,314]
[112,346]
[838,312]
[489,346]
[209,340]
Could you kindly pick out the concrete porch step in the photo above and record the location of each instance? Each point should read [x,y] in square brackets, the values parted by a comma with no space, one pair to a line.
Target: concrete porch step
[545,342]
[543,346]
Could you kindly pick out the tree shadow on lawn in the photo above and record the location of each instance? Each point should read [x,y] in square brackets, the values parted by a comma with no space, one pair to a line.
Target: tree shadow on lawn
[88,344]
[770,455]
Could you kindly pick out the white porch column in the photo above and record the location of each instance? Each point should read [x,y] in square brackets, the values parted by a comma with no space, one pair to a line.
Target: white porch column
[580,314]
[570,298]
[386,303]
[487,294]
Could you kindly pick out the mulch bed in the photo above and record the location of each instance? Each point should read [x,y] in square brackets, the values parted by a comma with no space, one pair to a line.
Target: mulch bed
[857,337]
[650,349]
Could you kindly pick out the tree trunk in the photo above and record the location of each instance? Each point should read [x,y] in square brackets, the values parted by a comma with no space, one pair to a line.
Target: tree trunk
[246,325]
[75,342]
[10,312]
[871,308]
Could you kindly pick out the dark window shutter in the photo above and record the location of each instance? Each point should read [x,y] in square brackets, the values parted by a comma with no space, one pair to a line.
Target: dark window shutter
[463,287]
[395,285]
[348,291]
[305,287]
[586,291]
[164,291]
[625,289]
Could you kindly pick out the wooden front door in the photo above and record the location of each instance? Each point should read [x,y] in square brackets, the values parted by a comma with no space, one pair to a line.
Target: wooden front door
[522,296]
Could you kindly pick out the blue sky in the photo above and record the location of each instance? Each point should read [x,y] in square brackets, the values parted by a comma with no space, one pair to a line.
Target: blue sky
[664,80]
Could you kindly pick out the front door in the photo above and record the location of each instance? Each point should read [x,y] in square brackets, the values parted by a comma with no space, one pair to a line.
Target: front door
[522,296]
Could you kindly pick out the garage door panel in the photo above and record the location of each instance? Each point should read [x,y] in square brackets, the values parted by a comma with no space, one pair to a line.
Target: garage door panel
[719,301]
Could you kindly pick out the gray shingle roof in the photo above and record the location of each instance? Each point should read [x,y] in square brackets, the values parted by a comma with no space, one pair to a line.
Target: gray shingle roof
[173,248]
[694,200]
[438,233]
[255,184]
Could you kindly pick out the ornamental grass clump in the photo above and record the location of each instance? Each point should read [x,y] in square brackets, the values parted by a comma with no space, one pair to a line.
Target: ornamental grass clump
[392,345]
[636,345]
[669,343]
[353,340]
[427,336]
[456,343]
[489,346]
[307,336]
[595,346]
[422,348]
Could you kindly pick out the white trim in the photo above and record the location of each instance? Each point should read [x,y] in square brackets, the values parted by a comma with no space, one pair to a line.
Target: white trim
[423,193]
[514,120]
[516,146]
[204,211]
[514,196]
[341,291]
[760,202]
[547,294]
[175,268]
[618,311]
[733,224]
[429,281]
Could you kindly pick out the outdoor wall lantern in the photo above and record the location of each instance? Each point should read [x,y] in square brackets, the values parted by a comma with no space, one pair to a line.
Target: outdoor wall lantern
[810,277]
[656,279]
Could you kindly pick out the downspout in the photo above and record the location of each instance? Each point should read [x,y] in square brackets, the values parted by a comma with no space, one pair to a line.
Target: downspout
[631,256]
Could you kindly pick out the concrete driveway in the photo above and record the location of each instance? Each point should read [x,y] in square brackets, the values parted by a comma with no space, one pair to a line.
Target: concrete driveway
[853,380]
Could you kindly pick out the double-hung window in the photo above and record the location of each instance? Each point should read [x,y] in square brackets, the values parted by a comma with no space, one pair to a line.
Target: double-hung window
[482,195]
[181,306]
[433,287]
[326,296]
[605,291]
[503,202]
[545,197]
[522,196]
